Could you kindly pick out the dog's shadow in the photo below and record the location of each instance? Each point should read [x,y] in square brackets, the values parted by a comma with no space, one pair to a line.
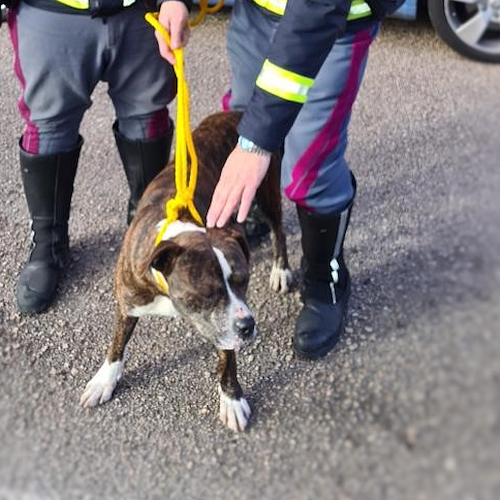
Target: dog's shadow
[157,369]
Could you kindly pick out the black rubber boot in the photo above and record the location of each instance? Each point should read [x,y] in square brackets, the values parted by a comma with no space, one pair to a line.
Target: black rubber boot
[142,161]
[48,186]
[327,283]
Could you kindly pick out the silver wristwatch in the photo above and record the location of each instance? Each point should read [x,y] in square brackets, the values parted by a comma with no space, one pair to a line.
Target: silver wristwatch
[250,147]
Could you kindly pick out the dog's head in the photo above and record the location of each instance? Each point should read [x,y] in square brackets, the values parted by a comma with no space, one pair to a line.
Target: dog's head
[207,274]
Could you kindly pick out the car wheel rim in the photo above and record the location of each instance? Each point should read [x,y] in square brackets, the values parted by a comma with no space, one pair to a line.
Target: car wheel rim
[476,23]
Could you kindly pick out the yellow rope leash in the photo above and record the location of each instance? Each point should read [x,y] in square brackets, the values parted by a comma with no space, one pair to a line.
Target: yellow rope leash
[186,174]
[204,10]
[185,177]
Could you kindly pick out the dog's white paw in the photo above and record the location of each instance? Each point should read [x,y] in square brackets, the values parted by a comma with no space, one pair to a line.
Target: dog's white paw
[234,413]
[100,388]
[280,279]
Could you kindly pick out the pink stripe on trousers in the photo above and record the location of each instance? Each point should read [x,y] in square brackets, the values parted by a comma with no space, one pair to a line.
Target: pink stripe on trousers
[31,136]
[307,168]
[159,124]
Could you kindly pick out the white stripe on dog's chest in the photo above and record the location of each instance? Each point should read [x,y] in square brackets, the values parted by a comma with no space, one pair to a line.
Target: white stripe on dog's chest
[161,306]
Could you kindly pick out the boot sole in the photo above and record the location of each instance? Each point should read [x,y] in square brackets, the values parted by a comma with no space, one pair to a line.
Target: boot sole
[38,303]
[36,310]
[319,353]
[324,350]
[35,307]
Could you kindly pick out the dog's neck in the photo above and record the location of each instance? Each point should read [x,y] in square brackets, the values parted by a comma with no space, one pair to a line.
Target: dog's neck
[178,227]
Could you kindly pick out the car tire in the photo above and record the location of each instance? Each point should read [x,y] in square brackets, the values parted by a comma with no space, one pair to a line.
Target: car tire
[448,16]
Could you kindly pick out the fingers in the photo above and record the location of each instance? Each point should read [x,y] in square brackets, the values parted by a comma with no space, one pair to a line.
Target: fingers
[239,180]
[179,34]
[174,18]
[246,202]
[165,52]
[178,38]
[228,208]
[224,202]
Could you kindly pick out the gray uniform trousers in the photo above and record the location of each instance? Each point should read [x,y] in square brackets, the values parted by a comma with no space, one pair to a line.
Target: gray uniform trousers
[60,58]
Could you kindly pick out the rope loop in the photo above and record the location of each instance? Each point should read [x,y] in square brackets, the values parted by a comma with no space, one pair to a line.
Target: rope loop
[186,160]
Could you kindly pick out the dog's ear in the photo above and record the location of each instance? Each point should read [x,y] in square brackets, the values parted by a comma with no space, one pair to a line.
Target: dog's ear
[236,232]
[164,256]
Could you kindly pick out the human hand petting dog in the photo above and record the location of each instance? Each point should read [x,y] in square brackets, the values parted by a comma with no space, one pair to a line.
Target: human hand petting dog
[242,174]
[173,16]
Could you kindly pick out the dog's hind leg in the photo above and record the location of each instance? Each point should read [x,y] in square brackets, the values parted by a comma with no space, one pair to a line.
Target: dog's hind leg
[101,386]
[234,409]
[269,200]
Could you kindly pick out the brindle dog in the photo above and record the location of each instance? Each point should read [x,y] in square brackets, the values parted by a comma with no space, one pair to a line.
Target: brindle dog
[205,271]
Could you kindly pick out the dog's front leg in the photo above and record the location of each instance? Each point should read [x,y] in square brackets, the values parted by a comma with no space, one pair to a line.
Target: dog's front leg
[101,386]
[234,409]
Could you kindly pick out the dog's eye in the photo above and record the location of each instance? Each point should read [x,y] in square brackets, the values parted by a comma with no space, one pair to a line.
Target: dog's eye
[204,298]
[238,279]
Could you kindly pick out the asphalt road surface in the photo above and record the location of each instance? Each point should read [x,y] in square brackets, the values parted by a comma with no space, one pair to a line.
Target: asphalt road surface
[407,407]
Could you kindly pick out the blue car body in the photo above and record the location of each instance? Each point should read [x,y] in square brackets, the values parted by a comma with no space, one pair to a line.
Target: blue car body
[407,11]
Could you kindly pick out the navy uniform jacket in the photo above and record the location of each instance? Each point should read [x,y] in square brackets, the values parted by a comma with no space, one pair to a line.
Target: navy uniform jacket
[305,36]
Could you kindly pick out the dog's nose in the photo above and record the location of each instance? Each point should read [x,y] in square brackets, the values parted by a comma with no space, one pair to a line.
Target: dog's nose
[244,326]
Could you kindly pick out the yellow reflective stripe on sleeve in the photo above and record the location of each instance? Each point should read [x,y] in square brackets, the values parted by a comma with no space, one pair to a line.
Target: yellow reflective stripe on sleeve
[76,4]
[359,9]
[283,83]
[84,4]
[275,6]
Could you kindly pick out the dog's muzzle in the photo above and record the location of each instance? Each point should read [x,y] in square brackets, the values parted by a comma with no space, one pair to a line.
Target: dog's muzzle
[244,327]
